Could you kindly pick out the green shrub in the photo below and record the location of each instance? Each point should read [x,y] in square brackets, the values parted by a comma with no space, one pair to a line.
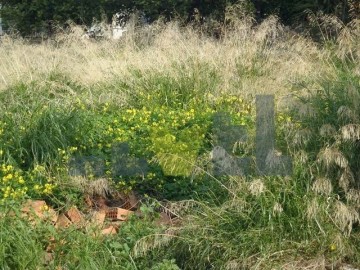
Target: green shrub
[329,133]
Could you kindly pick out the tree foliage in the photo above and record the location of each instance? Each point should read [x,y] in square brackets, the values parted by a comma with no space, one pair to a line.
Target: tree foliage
[28,16]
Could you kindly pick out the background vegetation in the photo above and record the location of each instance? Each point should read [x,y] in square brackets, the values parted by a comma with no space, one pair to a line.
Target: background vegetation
[40,16]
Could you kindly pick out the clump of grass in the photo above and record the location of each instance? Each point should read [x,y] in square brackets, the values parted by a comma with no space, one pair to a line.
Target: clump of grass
[329,115]
[25,245]
[177,87]
[37,123]
[268,223]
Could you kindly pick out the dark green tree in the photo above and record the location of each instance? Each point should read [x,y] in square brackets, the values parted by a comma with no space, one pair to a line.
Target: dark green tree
[294,11]
[30,16]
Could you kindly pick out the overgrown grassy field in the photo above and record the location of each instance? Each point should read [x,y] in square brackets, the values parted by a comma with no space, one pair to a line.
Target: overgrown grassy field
[158,90]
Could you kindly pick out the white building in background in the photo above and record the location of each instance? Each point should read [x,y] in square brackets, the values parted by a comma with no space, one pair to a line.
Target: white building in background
[118,25]
[114,31]
[117,32]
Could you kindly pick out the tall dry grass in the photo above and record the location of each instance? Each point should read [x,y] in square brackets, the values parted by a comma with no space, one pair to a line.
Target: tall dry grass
[248,58]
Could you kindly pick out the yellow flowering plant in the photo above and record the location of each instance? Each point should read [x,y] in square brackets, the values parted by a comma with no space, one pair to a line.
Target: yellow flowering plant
[171,139]
[16,184]
[171,136]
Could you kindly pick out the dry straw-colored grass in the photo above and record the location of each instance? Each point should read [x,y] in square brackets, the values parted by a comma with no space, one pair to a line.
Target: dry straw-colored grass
[248,58]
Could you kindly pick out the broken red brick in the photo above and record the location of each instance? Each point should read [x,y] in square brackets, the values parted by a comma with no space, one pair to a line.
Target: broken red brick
[38,209]
[117,224]
[118,214]
[75,216]
[33,205]
[62,222]
[109,230]
[99,217]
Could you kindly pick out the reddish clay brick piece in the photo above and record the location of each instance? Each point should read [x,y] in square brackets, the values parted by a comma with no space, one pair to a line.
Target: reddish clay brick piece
[62,221]
[99,217]
[75,216]
[118,214]
[109,230]
[36,208]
